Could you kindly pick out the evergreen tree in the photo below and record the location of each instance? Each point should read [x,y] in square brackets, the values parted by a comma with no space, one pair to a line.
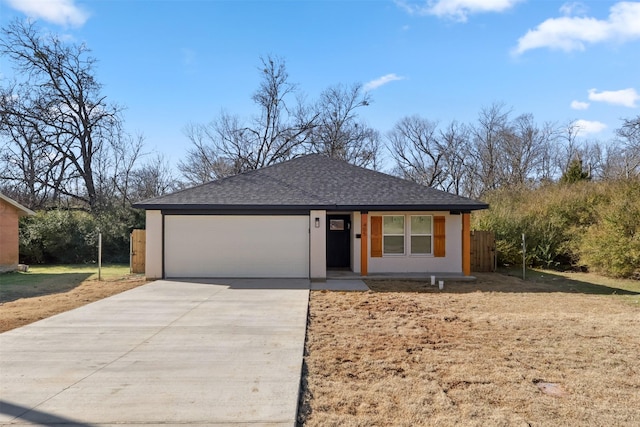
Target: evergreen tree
[574,173]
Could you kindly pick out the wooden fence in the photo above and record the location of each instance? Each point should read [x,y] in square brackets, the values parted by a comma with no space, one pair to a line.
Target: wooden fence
[138,250]
[483,251]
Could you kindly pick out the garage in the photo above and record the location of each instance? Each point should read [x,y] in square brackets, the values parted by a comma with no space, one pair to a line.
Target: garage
[236,246]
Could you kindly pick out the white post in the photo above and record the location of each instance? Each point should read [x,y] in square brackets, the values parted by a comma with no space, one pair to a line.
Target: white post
[524,258]
[99,256]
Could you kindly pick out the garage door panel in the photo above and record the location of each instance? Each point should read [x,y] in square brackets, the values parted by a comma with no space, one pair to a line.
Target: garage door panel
[236,246]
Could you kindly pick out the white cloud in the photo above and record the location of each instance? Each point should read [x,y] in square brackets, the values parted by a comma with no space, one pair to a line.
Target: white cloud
[586,127]
[381,81]
[573,33]
[61,12]
[573,9]
[625,97]
[458,10]
[579,105]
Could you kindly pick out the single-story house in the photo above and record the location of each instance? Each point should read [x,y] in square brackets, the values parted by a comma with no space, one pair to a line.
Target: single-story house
[304,216]
[10,213]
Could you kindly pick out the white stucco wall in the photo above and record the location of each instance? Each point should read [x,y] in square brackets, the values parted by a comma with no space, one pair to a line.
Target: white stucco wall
[153,256]
[407,263]
[236,246]
[318,245]
[356,224]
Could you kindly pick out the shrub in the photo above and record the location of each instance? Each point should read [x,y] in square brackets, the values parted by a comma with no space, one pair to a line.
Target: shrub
[592,224]
[612,244]
[64,236]
[57,237]
[535,214]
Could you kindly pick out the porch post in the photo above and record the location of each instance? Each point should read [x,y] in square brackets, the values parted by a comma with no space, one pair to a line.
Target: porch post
[364,238]
[466,244]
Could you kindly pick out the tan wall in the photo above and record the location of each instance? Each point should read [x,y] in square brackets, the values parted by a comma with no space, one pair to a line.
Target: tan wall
[356,225]
[318,245]
[153,256]
[9,245]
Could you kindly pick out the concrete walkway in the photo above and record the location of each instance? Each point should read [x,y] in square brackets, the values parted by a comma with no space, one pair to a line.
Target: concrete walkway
[167,353]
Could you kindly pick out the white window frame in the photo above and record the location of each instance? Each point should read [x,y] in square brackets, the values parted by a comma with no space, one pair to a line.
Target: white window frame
[411,234]
[403,235]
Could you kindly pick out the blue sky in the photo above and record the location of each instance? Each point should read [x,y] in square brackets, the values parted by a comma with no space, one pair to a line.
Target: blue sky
[173,62]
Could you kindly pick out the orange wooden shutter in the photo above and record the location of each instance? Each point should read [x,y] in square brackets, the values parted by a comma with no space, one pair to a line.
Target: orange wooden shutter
[439,236]
[376,236]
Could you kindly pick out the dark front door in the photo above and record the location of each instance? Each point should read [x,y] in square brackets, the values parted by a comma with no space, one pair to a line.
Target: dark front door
[338,241]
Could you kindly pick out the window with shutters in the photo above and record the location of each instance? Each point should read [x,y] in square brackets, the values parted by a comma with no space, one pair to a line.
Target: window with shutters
[425,235]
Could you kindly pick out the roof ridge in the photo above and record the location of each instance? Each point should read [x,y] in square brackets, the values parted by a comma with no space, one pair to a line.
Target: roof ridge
[297,187]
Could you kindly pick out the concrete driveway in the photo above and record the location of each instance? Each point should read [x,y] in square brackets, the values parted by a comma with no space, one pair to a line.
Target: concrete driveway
[167,353]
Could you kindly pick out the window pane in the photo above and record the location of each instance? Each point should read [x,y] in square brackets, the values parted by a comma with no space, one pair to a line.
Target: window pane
[393,244]
[394,225]
[420,244]
[336,224]
[420,225]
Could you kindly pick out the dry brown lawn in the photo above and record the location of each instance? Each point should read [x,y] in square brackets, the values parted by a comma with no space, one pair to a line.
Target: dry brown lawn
[499,351]
[27,298]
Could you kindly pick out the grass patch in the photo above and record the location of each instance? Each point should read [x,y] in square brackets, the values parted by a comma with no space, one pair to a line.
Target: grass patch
[537,281]
[45,291]
[553,350]
[49,279]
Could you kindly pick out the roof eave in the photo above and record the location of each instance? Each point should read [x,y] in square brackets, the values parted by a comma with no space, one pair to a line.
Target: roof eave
[22,210]
[224,207]
[388,207]
[416,207]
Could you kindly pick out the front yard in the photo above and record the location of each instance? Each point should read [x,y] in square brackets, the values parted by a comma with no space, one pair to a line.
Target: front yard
[551,351]
[557,350]
[48,290]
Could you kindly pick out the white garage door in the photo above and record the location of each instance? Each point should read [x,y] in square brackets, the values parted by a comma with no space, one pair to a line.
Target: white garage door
[236,246]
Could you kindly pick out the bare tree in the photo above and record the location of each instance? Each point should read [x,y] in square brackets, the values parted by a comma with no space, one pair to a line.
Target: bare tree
[568,147]
[629,133]
[62,105]
[338,133]
[417,150]
[27,164]
[279,131]
[153,179]
[486,150]
[435,157]
[523,148]
[118,175]
[202,164]
[455,139]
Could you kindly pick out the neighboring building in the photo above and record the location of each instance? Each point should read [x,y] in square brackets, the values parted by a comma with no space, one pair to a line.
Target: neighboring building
[304,216]
[10,213]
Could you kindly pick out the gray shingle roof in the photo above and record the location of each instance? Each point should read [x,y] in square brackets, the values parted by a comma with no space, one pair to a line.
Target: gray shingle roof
[312,182]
